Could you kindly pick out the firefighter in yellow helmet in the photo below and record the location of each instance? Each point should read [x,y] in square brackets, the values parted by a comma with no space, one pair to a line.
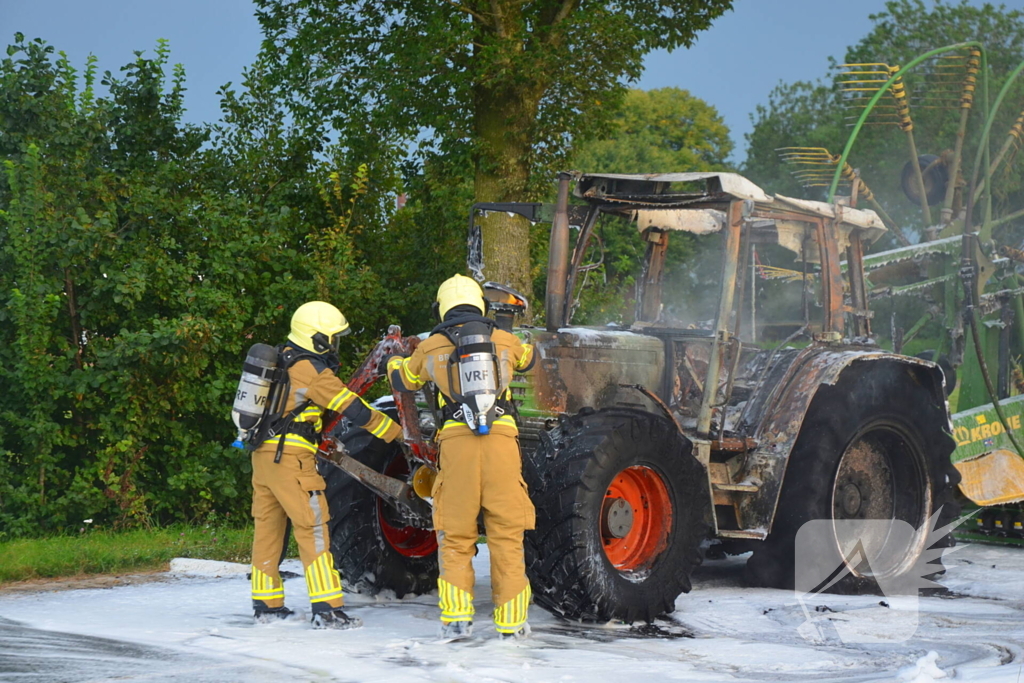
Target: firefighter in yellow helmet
[480,466]
[286,484]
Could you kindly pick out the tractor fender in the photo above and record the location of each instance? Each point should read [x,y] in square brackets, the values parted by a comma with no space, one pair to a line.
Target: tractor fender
[782,415]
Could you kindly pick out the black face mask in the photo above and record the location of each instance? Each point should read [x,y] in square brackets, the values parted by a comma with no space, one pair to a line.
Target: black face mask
[461,311]
[321,344]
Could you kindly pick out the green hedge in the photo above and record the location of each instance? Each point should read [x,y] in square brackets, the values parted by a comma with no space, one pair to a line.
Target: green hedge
[140,257]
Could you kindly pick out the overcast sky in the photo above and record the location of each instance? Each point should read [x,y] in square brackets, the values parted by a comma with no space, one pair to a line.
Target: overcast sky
[733,66]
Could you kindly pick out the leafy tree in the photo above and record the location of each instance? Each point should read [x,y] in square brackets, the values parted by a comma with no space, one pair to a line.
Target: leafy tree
[814,115]
[659,131]
[656,131]
[139,259]
[502,87]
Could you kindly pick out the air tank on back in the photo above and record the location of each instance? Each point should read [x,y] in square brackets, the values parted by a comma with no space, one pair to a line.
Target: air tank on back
[253,390]
[478,376]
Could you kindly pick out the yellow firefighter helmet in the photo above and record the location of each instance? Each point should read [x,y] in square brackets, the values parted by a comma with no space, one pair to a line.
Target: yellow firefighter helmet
[318,326]
[459,290]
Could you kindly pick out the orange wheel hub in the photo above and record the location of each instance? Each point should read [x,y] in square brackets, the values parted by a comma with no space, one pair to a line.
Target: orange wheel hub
[635,519]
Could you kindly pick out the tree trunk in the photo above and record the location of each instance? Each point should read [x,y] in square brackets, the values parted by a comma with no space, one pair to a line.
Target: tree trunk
[502,169]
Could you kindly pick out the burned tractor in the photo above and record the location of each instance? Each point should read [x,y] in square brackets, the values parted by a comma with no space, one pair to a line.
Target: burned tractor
[645,445]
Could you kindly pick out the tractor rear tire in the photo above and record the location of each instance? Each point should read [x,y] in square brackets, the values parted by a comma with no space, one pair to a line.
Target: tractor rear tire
[875,445]
[622,509]
[372,549]
[948,371]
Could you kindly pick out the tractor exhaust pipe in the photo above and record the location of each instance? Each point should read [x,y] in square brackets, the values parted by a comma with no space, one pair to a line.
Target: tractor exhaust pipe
[558,258]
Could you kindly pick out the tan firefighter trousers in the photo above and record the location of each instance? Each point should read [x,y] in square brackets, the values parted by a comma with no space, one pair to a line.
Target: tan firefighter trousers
[291,489]
[482,473]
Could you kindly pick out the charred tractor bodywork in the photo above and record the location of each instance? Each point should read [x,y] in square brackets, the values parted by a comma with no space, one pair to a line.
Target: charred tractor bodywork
[642,443]
[740,407]
[740,404]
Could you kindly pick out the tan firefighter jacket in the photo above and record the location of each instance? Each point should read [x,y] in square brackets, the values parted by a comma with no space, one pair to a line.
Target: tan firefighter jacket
[312,380]
[429,363]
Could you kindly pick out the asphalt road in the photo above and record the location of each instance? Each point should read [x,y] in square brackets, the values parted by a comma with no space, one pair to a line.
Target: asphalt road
[30,654]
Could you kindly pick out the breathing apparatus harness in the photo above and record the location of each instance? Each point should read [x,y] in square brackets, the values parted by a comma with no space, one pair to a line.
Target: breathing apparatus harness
[275,422]
[475,360]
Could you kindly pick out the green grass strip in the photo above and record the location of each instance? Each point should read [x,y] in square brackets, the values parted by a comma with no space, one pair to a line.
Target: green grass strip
[107,552]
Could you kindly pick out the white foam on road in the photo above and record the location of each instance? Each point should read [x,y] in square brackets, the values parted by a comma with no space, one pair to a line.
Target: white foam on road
[740,634]
[193,567]
[923,670]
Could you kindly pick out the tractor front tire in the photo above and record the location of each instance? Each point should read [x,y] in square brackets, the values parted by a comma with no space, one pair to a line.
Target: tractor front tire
[622,510]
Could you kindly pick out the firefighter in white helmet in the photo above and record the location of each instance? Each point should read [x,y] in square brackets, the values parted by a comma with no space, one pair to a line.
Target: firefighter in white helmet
[286,484]
[480,462]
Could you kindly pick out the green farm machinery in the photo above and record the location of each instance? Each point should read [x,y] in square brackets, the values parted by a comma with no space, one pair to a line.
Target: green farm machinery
[960,287]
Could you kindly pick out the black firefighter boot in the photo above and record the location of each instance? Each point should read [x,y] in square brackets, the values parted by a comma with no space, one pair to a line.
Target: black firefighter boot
[335,619]
[266,615]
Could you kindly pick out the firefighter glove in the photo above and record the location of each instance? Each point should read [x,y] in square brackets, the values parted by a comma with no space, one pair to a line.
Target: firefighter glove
[382,366]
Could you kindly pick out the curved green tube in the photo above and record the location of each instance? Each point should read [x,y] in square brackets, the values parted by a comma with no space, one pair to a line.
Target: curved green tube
[983,146]
[885,88]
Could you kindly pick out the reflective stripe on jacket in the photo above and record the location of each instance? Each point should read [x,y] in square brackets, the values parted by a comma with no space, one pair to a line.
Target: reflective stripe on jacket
[327,392]
[429,363]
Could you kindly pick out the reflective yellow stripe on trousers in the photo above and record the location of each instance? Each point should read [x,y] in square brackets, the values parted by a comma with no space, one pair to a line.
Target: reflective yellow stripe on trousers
[266,587]
[322,580]
[455,603]
[511,616]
